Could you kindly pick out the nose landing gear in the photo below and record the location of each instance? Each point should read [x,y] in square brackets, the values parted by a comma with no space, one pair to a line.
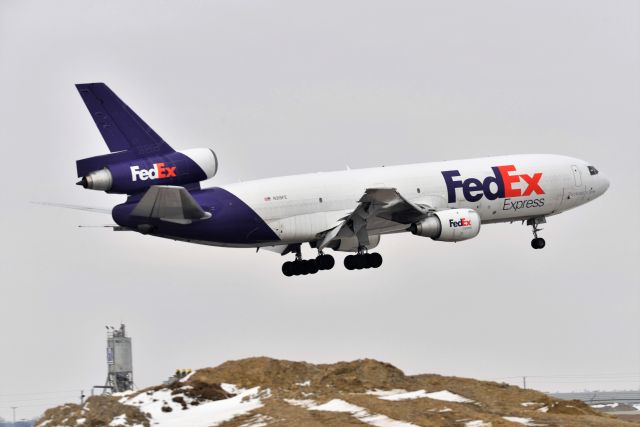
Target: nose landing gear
[537,242]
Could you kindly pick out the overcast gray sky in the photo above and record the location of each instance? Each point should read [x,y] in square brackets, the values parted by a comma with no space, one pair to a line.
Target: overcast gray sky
[284,87]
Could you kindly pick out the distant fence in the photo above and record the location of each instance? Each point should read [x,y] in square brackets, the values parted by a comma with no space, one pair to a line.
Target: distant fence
[595,397]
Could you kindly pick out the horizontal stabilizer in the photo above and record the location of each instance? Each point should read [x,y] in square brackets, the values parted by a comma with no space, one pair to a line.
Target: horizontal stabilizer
[171,204]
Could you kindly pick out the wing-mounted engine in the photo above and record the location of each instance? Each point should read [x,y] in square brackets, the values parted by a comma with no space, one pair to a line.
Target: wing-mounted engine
[449,225]
[125,173]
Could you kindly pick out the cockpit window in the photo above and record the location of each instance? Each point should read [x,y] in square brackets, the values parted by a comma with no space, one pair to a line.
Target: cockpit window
[592,170]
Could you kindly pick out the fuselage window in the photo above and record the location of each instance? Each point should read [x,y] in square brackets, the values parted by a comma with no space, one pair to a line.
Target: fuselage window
[592,170]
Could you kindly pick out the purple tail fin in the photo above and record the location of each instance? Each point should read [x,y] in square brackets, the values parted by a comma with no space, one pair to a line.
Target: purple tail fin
[119,125]
[139,158]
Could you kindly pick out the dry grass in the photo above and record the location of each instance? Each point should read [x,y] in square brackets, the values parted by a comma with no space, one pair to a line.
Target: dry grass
[98,411]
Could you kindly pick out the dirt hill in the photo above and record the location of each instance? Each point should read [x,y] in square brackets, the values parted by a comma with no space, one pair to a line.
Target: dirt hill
[260,392]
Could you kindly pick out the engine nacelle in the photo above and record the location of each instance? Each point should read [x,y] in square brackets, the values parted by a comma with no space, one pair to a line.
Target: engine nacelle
[119,173]
[350,244]
[450,225]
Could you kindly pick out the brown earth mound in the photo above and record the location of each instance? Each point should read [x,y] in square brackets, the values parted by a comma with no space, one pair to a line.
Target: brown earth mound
[296,388]
[357,376]
[98,411]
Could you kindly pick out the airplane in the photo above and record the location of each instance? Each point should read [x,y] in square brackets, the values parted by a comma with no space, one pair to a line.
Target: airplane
[345,211]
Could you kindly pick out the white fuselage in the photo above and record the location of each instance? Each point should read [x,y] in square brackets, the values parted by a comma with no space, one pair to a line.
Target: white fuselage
[299,207]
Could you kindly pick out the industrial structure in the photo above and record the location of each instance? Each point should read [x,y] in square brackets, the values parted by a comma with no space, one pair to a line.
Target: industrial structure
[119,361]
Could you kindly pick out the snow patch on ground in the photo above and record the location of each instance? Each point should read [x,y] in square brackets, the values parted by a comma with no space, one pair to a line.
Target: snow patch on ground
[338,405]
[477,423]
[167,413]
[124,393]
[444,395]
[120,420]
[445,409]
[186,377]
[606,405]
[405,395]
[258,420]
[307,383]
[229,388]
[637,406]
[523,421]
[544,409]
[447,396]
[378,392]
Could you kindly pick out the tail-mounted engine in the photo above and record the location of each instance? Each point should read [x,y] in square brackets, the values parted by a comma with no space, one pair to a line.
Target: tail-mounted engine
[125,173]
[450,225]
[139,157]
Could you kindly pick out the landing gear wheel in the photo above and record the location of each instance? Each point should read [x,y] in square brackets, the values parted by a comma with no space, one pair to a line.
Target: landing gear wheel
[367,260]
[330,262]
[325,262]
[286,269]
[312,266]
[538,243]
[374,260]
[360,261]
[297,268]
[349,263]
[306,267]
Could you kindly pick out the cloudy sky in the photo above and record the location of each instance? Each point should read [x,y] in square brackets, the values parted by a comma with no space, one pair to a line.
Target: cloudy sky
[285,87]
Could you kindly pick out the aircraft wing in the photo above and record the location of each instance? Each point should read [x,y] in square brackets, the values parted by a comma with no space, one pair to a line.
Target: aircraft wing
[375,206]
[170,203]
[76,207]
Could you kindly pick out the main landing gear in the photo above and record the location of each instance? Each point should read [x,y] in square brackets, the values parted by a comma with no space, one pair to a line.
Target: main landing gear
[362,260]
[302,267]
[537,242]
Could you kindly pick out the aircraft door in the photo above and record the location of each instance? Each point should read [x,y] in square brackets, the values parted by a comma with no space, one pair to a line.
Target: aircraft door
[577,178]
[573,195]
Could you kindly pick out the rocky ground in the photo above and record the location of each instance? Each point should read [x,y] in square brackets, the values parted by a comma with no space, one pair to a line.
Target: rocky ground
[260,392]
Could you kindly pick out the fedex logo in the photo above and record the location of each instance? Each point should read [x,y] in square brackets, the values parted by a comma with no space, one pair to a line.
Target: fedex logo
[159,170]
[462,223]
[504,178]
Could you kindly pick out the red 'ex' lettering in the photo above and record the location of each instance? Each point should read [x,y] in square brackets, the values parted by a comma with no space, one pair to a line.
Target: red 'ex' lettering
[533,184]
[509,180]
[165,172]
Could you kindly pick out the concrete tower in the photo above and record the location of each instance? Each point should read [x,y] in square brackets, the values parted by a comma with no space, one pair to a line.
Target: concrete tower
[119,361]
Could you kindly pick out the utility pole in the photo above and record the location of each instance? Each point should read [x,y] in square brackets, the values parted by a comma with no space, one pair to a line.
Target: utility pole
[14,415]
[524,383]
